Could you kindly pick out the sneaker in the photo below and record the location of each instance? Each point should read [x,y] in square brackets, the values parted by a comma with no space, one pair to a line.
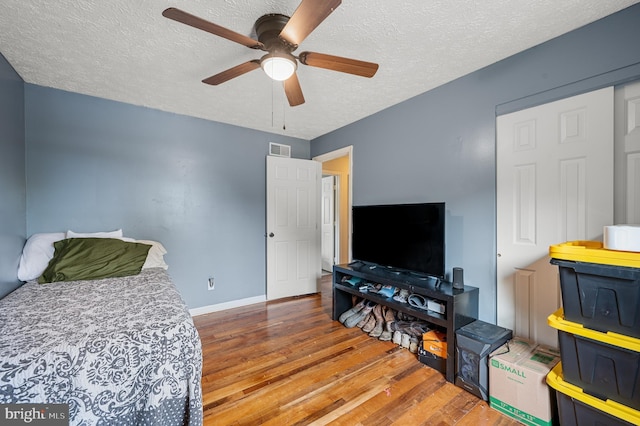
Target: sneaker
[413,345]
[356,308]
[354,319]
[397,337]
[378,328]
[406,341]
[401,296]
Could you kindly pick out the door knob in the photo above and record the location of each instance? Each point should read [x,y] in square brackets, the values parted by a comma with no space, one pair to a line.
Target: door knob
[271,235]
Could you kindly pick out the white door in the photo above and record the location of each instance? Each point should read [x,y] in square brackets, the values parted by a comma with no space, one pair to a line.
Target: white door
[627,162]
[328,222]
[554,184]
[293,234]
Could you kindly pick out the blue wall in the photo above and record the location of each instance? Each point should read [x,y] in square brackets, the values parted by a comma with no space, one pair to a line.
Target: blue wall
[440,146]
[196,186]
[12,179]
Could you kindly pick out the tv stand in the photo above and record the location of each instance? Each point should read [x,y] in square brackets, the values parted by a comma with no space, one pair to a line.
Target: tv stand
[461,306]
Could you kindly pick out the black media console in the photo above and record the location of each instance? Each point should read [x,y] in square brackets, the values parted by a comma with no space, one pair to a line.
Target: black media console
[461,306]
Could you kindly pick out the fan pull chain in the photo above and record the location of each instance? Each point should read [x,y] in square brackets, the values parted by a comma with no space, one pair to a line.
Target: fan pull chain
[284,108]
[273,83]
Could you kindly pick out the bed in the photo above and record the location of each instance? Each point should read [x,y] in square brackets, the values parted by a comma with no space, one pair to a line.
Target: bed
[117,350]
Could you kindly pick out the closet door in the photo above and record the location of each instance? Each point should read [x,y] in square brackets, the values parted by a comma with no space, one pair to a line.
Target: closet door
[627,160]
[554,184]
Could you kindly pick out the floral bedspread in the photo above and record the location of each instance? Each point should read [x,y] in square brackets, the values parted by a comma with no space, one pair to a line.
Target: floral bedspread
[117,350]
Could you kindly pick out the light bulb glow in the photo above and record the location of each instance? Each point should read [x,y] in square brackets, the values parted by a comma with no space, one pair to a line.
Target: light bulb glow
[278,68]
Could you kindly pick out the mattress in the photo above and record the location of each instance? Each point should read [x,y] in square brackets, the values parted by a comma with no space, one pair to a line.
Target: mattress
[116,350]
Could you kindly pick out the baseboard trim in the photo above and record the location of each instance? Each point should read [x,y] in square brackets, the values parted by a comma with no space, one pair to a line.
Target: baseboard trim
[227,305]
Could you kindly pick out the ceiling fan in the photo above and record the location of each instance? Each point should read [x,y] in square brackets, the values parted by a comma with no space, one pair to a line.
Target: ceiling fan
[279,36]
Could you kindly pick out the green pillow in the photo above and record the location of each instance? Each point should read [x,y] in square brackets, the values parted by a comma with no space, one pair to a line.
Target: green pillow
[94,258]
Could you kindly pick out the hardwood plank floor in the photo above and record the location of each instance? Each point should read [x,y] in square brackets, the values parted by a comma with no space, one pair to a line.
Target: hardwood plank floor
[287,362]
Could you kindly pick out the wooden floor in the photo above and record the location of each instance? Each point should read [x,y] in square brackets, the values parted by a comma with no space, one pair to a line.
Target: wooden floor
[287,363]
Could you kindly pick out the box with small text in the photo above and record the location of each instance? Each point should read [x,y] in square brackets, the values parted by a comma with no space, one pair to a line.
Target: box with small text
[517,377]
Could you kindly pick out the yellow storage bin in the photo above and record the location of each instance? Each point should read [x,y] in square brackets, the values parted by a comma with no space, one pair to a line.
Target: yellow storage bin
[575,407]
[594,252]
[600,288]
[603,365]
[558,321]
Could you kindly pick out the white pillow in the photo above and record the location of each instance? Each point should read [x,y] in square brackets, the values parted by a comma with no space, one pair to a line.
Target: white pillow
[155,257]
[112,234]
[36,254]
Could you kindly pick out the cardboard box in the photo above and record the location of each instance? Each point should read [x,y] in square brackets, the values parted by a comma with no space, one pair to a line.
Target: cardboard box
[436,306]
[435,341]
[517,381]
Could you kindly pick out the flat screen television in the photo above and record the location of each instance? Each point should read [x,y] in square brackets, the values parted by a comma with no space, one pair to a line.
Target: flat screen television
[405,237]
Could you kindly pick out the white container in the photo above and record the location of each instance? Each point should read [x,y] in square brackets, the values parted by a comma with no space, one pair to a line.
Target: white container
[622,238]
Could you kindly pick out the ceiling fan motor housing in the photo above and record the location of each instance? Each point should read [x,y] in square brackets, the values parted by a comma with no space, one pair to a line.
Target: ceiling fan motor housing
[268,29]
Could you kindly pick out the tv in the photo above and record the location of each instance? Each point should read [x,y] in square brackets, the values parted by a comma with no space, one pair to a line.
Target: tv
[402,237]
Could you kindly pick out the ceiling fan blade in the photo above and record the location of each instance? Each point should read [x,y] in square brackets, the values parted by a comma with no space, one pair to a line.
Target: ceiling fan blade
[196,22]
[338,63]
[293,90]
[308,15]
[234,72]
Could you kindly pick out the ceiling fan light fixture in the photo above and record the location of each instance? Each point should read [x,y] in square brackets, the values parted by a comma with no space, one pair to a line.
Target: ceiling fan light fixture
[278,66]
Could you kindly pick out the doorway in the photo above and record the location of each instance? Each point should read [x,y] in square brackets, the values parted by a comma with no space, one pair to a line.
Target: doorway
[329,246]
[339,165]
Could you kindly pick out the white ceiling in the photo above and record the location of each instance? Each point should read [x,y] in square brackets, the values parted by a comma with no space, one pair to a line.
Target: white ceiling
[125,50]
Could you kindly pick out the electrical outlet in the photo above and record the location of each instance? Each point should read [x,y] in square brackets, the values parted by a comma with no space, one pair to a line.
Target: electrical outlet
[211,285]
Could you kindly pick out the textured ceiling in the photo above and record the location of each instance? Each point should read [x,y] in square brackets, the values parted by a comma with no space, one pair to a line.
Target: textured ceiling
[125,50]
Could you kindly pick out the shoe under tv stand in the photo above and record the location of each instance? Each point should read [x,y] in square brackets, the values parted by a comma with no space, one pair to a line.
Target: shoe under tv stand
[461,306]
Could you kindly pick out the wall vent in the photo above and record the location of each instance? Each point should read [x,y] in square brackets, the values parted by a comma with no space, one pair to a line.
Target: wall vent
[279,150]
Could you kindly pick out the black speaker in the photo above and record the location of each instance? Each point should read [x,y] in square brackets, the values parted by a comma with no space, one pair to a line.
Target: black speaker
[458,278]
[474,343]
